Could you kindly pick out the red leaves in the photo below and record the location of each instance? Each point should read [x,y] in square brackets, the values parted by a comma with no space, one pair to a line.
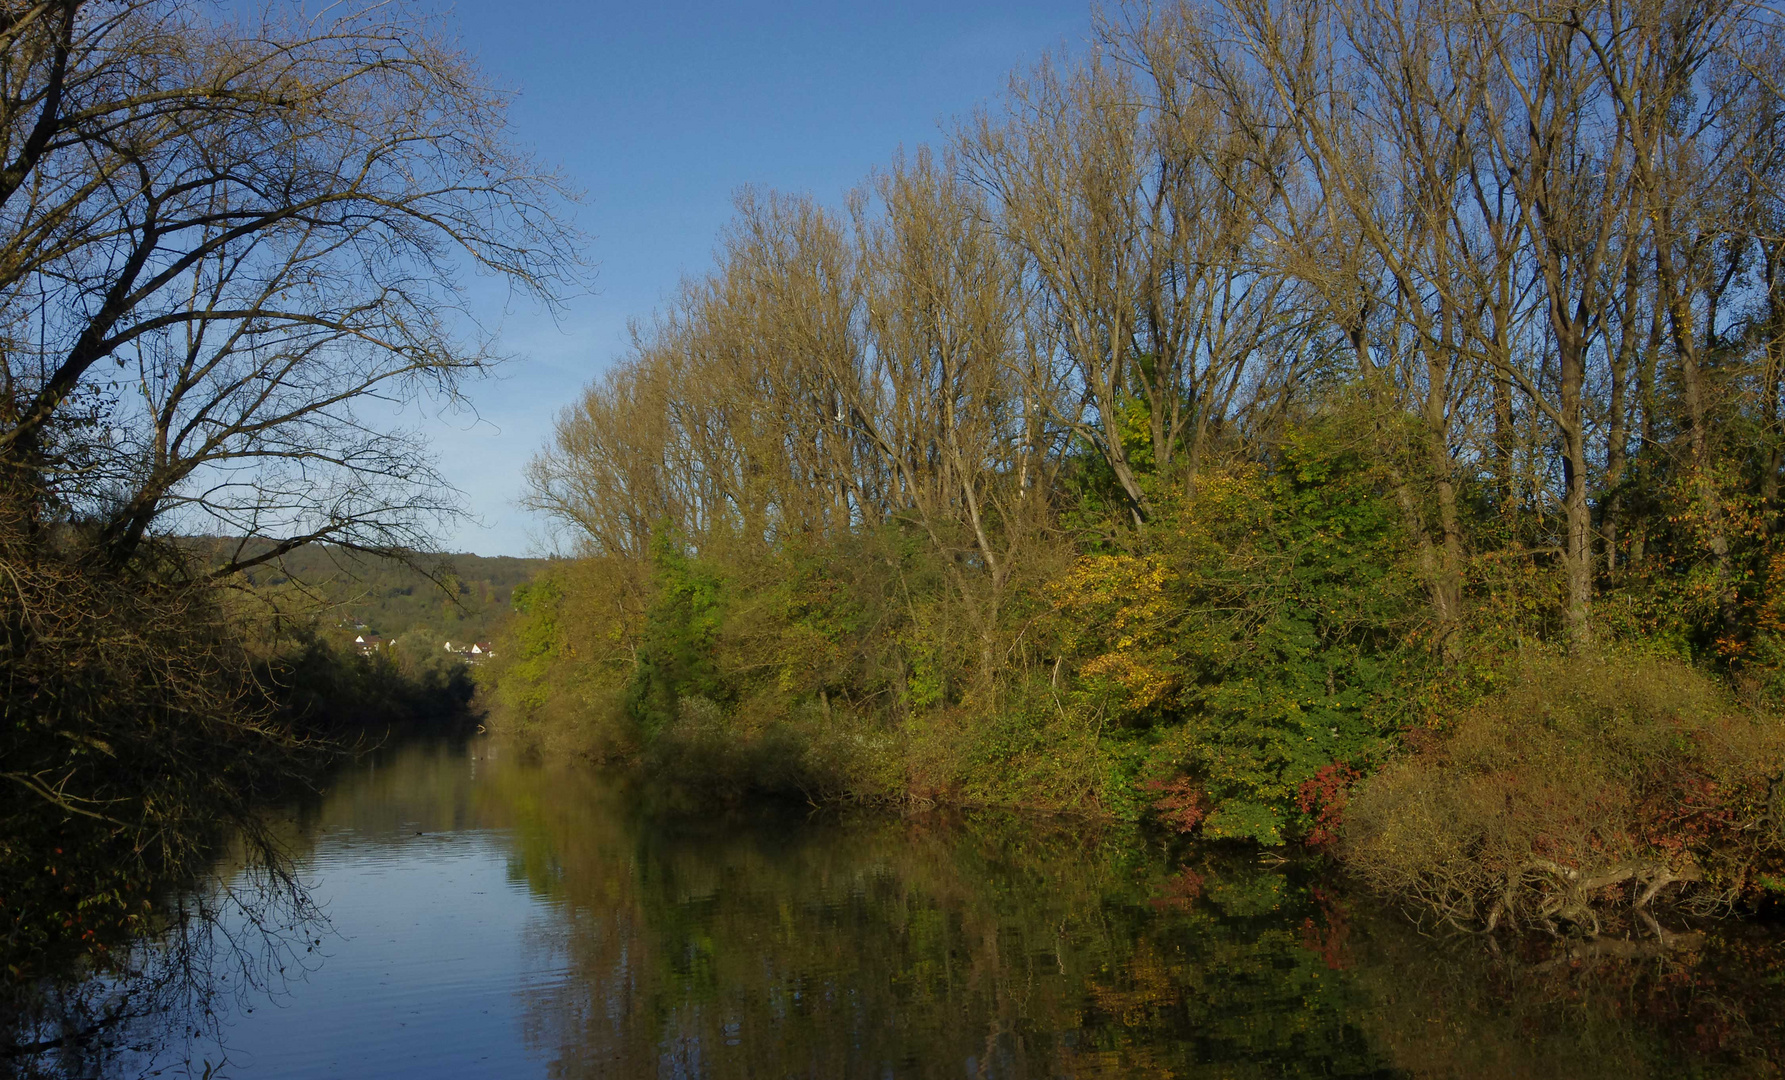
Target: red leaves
[1689,811]
[1323,798]
[1182,804]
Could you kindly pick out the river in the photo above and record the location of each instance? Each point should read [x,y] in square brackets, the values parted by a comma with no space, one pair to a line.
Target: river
[491,917]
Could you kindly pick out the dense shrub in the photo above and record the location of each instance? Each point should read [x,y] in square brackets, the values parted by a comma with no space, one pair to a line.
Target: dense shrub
[1252,635]
[134,736]
[805,755]
[1584,782]
[1217,658]
[564,660]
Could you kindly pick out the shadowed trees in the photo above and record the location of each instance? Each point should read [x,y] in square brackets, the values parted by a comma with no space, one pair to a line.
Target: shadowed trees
[226,246]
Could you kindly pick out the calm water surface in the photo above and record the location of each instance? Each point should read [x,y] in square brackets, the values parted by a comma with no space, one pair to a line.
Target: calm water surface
[494,918]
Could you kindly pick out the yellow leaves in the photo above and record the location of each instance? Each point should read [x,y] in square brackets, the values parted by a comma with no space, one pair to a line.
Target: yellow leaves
[1770,616]
[1226,495]
[1125,594]
[1219,487]
[1145,684]
[1117,605]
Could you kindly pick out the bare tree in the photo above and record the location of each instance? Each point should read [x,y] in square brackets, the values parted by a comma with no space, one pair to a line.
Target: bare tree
[934,396]
[224,245]
[1068,169]
[603,471]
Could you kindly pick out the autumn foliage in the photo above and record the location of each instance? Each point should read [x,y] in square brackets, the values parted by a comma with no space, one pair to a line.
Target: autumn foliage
[1261,424]
[1611,781]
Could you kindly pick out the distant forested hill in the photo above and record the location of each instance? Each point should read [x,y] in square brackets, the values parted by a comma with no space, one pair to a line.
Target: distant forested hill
[395,599]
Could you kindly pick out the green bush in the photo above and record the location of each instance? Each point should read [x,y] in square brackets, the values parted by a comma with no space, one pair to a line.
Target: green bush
[1254,633]
[558,682]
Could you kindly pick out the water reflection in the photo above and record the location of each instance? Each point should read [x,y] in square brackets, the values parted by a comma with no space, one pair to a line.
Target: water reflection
[495,917]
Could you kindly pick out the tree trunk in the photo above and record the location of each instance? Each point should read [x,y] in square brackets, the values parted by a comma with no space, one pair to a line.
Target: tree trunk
[1447,588]
[1616,435]
[1773,357]
[1578,547]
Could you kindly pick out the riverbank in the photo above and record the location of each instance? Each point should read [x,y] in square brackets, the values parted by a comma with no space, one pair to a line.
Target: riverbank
[1520,783]
[1162,444]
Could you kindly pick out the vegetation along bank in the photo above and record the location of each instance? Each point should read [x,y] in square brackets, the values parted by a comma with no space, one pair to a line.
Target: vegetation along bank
[227,236]
[1285,422]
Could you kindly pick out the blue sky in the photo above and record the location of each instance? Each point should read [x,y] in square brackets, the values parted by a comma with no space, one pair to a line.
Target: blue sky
[659,113]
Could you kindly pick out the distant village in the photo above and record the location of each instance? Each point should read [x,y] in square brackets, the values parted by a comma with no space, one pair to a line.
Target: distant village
[370,642]
[475,653]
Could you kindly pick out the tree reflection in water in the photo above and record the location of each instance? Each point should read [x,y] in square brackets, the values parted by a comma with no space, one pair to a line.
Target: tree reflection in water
[997,946]
[778,943]
[160,1005]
